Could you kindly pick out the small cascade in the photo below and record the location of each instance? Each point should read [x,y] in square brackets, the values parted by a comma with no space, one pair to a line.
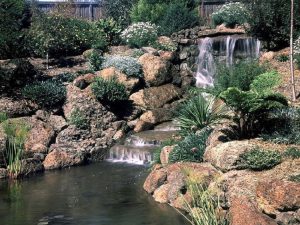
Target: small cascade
[215,49]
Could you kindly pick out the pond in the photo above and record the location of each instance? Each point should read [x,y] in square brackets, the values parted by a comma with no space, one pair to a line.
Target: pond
[99,194]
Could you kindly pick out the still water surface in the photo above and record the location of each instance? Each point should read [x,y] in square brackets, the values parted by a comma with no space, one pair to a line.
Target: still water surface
[99,194]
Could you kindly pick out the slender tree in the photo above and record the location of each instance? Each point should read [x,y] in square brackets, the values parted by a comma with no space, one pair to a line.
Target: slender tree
[292,52]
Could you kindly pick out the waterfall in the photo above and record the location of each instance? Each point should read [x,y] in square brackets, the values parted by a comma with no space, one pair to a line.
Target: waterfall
[213,49]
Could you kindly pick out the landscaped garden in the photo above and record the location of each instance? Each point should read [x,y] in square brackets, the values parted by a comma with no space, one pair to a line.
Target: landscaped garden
[204,98]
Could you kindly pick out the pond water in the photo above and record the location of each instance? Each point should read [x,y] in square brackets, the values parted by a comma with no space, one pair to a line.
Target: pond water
[99,194]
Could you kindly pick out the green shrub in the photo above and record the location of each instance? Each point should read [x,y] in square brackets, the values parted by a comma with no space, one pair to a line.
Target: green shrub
[165,46]
[56,35]
[231,14]
[191,149]
[3,117]
[95,61]
[259,159]
[78,119]
[140,34]
[126,64]
[295,178]
[240,75]
[111,29]
[16,132]
[270,22]
[282,58]
[109,91]
[45,93]
[253,107]
[197,113]
[297,61]
[292,152]
[65,77]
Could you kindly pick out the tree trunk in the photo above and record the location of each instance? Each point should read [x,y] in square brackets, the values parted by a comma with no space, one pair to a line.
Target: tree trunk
[292,52]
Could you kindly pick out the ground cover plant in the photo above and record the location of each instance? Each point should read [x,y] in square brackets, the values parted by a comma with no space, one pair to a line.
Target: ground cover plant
[79,119]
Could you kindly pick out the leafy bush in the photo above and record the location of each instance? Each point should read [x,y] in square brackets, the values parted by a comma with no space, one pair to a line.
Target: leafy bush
[139,34]
[109,91]
[231,14]
[282,58]
[240,75]
[165,46]
[95,61]
[57,35]
[16,132]
[126,64]
[45,93]
[270,21]
[252,107]
[292,152]
[197,113]
[111,29]
[191,149]
[284,126]
[65,77]
[259,159]
[3,117]
[78,119]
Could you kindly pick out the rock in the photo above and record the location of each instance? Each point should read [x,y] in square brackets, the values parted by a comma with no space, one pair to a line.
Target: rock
[161,194]
[3,173]
[267,56]
[39,137]
[155,97]
[182,201]
[118,50]
[156,70]
[156,116]
[164,154]
[131,83]
[168,42]
[16,108]
[60,158]
[142,125]
[167,55]
[290,218]
[57,122]
[226,156]
[150,50]
[218,135]
[85,80]
[278,195]
[155,179]
[39,156]
[243,212]
[30,166]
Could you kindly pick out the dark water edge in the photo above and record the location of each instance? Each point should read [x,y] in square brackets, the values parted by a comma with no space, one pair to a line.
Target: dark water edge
[99,194]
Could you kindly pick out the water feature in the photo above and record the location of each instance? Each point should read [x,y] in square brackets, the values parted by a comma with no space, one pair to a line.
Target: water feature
[99,194]
[222,49]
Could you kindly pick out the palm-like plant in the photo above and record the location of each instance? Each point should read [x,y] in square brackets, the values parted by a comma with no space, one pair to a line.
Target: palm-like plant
[199,112]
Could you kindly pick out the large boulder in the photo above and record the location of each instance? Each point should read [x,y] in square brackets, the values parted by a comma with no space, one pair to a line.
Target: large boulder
[131,83]
[85,80]
[63,157]
[156,69]
[30,166]
[277,195]
[15,108]
[155,179]
[155,97]
[156,116]
[243,212]
[226,156]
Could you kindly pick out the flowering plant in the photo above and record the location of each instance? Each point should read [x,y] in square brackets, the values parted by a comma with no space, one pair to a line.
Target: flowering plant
[231,14]
[140,34]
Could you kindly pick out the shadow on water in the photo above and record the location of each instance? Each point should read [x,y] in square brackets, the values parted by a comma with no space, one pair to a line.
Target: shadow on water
[99,194]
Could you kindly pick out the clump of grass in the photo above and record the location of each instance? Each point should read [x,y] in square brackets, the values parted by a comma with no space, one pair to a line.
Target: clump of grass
[292,152]
[78,119]
[3,117]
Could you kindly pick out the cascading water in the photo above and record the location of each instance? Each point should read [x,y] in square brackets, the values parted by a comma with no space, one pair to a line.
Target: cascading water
[215,49]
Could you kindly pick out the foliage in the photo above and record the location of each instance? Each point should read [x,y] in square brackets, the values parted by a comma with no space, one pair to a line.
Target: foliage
[137,53]
[95,61]
[297,60]
[282,58]
[56,35]
[259,159]
[14,15]
[65,77]
[139,34]
[109,91]
[191,148]
[284,126]
[197,113]
[111,29]
[292,152]
[270,21]
[295,178]
[45,93]
[126,64]
[252,107]
[165,46]
[16,132]
[119,10]
[240,75]
[3,117]
[78,119]
[231,14]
